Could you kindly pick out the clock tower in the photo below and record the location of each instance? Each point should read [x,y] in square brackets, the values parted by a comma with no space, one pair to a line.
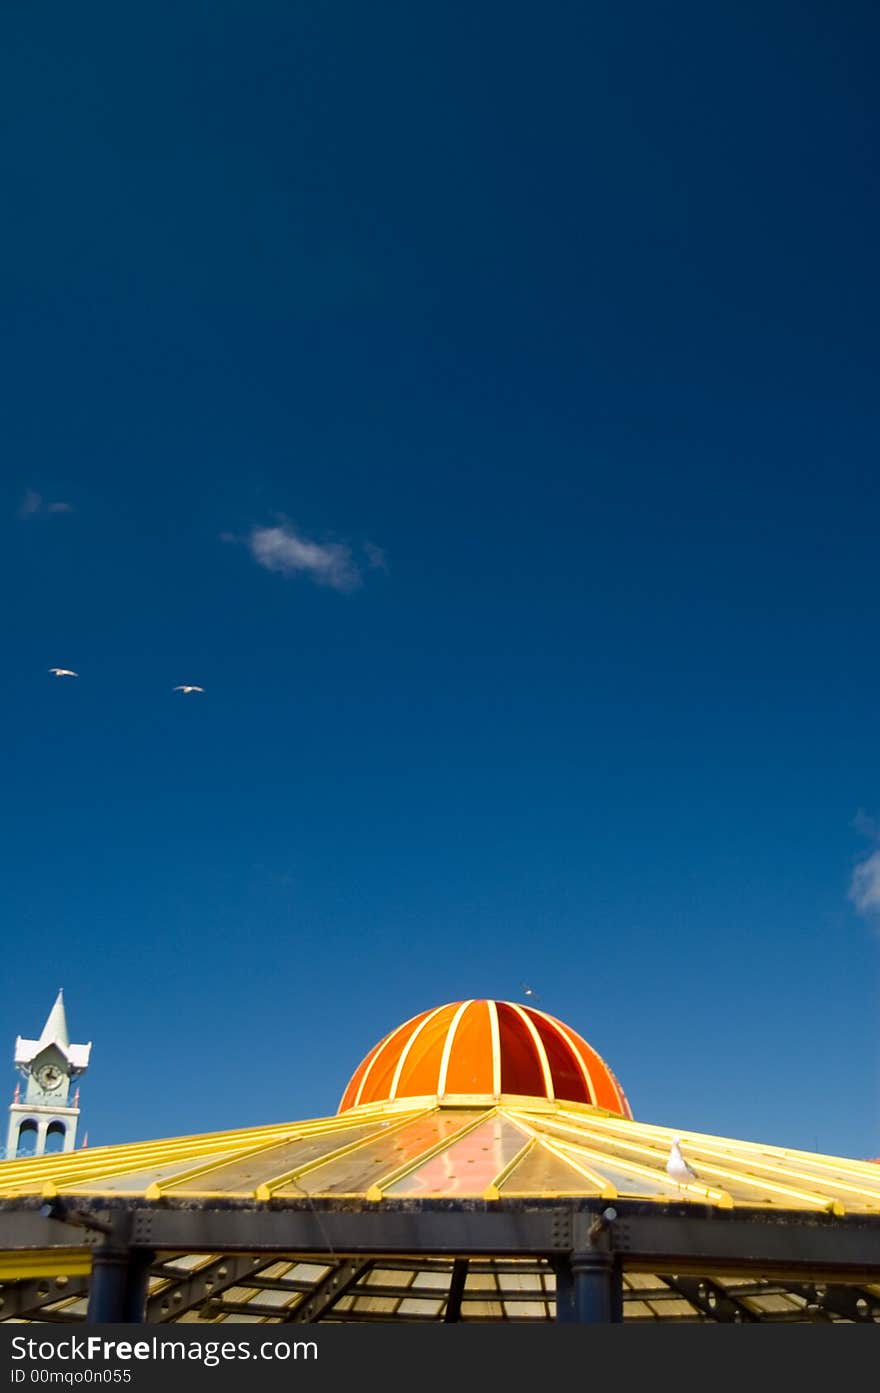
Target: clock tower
[45,1119]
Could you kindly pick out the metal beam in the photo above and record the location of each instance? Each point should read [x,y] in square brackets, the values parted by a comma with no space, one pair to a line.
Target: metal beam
[326,1293]
[374,1229]
[23,1300]
[456,1291]
[848,1302]
[661,1239]
[199,1287]
[711,1299]
[774,1245]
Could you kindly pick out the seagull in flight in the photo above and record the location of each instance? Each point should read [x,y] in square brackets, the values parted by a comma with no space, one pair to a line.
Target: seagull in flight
[63,672]
[189,689]
[529,991]
[677,1167]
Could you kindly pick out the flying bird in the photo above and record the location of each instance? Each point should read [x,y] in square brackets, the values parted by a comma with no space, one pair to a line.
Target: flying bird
[677,1167]
[189,689]
[529,991]
[63,672]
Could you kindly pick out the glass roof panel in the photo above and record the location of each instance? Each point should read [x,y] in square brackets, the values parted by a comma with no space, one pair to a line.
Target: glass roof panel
[271,1297]
[773,1301]
[467,1166]
[354,1173]
[638,1310]
[138,1180]
[242,1176]
[481,1310]
[383,1305]
[387,1277]
[525,1310]
[439,1279]
[540,1172]
[412,1306]
[673,1306]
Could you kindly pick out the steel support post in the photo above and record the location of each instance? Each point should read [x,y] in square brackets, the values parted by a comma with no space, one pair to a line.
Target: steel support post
[589,1289]
[118,1291]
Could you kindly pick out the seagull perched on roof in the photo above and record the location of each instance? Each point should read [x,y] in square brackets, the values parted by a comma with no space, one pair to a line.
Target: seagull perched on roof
[63,672]
[189,689]
[677,1167]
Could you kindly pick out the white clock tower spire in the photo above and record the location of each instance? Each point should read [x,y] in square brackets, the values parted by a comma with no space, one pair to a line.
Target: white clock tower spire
[45,1119]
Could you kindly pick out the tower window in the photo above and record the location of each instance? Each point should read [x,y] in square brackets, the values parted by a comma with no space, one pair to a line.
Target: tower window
[55,1134]
[27,1138]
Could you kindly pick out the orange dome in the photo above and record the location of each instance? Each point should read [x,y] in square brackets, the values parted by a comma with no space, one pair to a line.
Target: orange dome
[484,1049]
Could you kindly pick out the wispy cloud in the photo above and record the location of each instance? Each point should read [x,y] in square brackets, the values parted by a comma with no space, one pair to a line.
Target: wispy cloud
[32,505]
[864,885]
[288,552]
[864,888]
[867,825]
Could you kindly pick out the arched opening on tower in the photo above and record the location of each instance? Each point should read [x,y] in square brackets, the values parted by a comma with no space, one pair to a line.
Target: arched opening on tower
[55,1135]
[27,1138]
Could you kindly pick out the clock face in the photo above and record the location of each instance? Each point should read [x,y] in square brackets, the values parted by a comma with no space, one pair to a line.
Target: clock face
[49,1077]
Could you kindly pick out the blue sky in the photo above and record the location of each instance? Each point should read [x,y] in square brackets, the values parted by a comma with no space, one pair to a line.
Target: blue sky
[480,404]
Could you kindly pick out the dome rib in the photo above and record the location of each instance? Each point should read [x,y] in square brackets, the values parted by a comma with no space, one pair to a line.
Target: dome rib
[447,1047]
[370,1061]
[576,1055]
[495,1034]
[404,1054]
[538,1044]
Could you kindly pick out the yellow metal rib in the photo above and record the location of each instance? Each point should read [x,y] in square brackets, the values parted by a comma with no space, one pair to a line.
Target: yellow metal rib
[447,1048]
[375,1192]
[495,1033]
[27,1175]
[841,1165]
[753,1155]
[493,1189]
[607,1191]
[158,1189]
[369,1069]
[392,1093]
[46,1262]
[652,1173]
[266,1190]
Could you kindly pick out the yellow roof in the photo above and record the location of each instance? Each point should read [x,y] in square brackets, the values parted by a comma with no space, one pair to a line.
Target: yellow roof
[515,1147]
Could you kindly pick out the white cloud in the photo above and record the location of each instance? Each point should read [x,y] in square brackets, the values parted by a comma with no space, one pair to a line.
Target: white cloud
[864,889]
[286,551]
[867,825]
[32,504]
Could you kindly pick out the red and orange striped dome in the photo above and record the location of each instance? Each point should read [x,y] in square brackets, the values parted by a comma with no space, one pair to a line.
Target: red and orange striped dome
[471,1049]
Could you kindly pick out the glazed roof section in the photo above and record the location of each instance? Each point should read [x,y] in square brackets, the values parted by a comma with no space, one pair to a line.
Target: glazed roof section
[518,1148]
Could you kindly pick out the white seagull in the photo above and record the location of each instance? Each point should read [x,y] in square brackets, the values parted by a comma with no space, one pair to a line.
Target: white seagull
[677,1167]
[529,991]
[189,689]
[63,672]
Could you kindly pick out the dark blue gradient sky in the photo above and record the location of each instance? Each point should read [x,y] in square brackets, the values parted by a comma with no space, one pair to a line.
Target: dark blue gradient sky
[572,312]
